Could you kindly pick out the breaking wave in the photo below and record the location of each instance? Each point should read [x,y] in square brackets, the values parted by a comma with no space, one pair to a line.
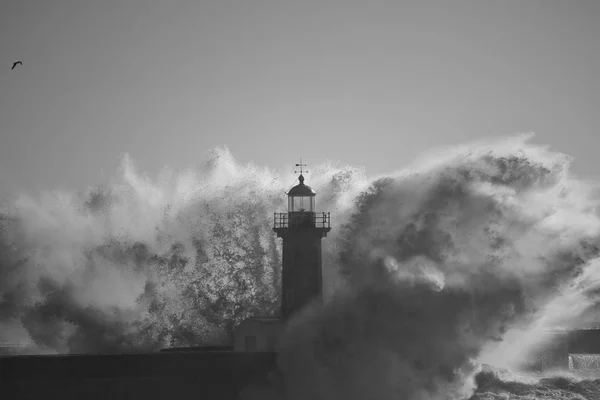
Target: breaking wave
[136,264]
[494,384]
[466,256]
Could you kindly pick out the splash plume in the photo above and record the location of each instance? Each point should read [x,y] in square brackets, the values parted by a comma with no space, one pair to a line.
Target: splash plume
[441,261]
[427,269]
[137,265]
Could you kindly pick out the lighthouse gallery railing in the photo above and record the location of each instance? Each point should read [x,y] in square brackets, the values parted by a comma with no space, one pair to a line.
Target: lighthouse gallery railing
[302,219]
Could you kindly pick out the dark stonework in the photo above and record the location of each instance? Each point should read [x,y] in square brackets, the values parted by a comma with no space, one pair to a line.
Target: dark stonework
[165,375]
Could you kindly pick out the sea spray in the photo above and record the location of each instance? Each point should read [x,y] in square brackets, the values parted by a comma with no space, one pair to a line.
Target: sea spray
[544,328]
[441,262]
[430,264]
[134,264]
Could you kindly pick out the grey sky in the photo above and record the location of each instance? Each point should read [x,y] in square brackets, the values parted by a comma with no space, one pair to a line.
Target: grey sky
[369,83]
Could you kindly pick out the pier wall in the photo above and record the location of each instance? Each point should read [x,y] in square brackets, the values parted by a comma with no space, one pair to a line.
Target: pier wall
[157,376]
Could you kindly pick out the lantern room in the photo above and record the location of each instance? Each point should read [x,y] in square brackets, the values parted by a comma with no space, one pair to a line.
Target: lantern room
[301,198]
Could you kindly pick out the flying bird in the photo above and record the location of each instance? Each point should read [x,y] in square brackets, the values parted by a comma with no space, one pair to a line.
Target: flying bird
[15,64]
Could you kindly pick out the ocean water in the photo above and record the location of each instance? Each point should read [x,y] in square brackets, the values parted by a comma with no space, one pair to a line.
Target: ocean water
[495,385]
[469,255]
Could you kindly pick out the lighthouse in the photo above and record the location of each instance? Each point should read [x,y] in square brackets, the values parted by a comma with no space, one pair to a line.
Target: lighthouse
[301,229]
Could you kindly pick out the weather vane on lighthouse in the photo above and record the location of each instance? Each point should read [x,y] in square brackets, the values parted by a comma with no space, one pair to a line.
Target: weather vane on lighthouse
[301,168]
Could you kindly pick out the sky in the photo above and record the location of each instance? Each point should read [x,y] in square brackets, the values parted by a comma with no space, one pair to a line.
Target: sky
[367,83]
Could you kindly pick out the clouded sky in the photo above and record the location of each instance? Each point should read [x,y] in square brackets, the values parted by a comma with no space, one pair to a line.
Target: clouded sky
[368,83]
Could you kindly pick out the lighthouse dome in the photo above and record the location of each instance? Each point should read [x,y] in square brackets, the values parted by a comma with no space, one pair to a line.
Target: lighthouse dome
[301,189]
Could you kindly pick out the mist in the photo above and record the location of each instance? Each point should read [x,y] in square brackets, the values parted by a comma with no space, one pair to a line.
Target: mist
[136,264]
[463,259]
[428,270]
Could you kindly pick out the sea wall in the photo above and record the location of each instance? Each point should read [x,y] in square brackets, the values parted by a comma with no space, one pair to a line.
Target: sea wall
[167,375]
[190,374]
[557,354]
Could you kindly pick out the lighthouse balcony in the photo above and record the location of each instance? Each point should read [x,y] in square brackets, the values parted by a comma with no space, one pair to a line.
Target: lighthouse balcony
[302,219]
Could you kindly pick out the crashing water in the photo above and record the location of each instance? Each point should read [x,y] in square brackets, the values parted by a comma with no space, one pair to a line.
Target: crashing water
[466,256]
[494,384]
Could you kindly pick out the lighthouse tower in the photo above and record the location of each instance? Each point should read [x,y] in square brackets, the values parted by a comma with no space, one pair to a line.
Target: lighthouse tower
[301,229]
